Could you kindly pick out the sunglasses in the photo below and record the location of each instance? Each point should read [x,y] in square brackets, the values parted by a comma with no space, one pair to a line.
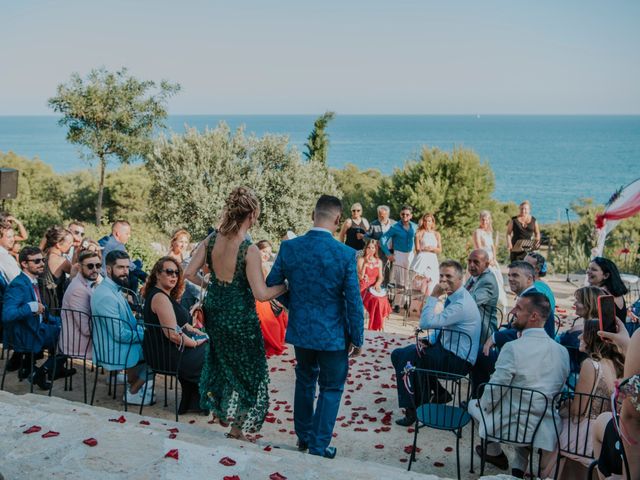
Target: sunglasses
[36,261]
[171,272]
[92,266]
[78,232]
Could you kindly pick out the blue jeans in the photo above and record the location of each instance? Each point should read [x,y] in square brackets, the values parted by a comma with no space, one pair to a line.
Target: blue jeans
[329,370]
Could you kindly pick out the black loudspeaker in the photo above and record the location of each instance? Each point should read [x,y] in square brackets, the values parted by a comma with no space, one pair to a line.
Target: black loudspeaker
[8,183]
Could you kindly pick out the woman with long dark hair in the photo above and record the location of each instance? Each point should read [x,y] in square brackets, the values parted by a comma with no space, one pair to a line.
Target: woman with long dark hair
[603,273]
[56,243]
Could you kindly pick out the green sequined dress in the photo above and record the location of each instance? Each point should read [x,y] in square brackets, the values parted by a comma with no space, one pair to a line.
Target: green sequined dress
[235,377]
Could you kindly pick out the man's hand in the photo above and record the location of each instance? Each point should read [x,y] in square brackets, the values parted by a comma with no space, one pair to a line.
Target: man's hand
[354,351]
[359,236]
[438,290]
[40,308]
[487,346]
[619,339]
[391,258]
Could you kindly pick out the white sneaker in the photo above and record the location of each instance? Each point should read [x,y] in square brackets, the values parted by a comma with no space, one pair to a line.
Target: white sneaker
[139,398]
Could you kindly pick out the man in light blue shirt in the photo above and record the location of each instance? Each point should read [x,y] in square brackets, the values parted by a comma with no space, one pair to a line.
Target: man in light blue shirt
[448,351]
[401,235]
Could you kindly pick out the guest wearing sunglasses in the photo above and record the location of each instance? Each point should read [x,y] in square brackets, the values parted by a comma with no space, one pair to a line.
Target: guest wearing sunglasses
[355,228]
[78,297]
[162,292]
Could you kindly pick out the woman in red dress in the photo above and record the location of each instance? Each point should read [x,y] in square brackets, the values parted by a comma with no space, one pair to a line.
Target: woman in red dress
[273,317]
[371,276]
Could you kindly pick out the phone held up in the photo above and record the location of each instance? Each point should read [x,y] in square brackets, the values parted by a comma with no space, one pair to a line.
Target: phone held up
[607,313]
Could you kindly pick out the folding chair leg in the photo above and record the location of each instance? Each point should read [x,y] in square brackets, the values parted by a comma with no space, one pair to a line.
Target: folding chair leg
[165,391]
[175,398]
[95,383]
[53,371]
[4,372]
[472,447]
[412,457]
[483,447]
[31,372]
[592,467]
[458,454]
[84,379]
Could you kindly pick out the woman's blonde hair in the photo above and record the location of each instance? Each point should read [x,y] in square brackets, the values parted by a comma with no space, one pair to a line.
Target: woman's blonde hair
[422,225]
[180,233]
[240,204]
[487,214]
[588,296]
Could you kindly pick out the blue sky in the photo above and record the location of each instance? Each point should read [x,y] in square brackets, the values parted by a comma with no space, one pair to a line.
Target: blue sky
[359,57]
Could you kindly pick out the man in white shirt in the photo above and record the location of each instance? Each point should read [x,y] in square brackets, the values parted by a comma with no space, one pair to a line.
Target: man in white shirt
[8,265]
[533,361]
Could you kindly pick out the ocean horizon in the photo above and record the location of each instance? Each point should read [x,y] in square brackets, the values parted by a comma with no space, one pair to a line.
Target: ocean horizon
[551,160]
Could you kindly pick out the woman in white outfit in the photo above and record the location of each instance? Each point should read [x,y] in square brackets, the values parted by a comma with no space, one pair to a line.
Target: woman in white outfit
[483,239]
[427,245]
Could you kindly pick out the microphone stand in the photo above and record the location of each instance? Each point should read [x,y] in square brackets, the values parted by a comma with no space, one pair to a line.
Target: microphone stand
[569,250]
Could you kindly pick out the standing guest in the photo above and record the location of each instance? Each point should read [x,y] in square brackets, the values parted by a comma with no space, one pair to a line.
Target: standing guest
[532,361]
[272,315]
[8,265]
[427,245]
[325,322]
[379,227]
[355,228]
[402,235]
[603,273]
[371,276]
[459,314]
[235,377]
[78,297]
[598,375]
[120,235]
[22,234]
[179,245]
[539,265]
[55,245]
[162,307]
[125,344]
[77,230]
[483,239]
[522,227]
[25,317]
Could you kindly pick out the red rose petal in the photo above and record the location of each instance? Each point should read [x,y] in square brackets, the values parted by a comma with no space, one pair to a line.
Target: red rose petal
[403,460]
[438,464]
[409,448]
[277,476]
[379,446]
[144,422]
[173,430]
[380,400]
[267,448]
[172,435]
[50,434]
[448,449]
[270,419]
[92,442]
[227,462]
[173,453]
[192,421]
[33,429]
[231,477]
[120,419]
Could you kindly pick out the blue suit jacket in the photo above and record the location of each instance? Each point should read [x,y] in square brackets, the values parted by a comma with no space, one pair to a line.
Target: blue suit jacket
[22,328]
[325,306]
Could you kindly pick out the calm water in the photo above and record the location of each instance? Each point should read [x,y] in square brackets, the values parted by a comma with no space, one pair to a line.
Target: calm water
[550,160]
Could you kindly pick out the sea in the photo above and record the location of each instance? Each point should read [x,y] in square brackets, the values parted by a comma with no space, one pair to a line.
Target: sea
[552,161]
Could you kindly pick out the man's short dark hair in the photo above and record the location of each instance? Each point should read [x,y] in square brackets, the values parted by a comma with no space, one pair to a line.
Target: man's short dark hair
[4,226]
[526,266]
[406,207]
[119,222]
[453,264]
[539,302]
[27,252]
[327,207]
[114,255]
[87,254]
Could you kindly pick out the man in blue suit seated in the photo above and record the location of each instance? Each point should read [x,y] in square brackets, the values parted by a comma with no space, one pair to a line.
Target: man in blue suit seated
[24,316]
[449,352]
[326,321]
[119,342]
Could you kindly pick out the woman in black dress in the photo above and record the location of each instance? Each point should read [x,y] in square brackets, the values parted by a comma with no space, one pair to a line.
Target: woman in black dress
[603,273]
[162,293]
[522,227]
[354,228]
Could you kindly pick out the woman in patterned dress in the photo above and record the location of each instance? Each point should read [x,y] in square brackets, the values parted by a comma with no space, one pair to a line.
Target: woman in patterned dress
[234,381]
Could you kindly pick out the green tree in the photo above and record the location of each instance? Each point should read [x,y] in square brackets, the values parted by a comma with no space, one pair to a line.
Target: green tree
[358,186]
[111,115]
[318,141]
[192,174]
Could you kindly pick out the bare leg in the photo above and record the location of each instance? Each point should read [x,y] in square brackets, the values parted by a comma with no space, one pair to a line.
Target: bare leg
[135,381]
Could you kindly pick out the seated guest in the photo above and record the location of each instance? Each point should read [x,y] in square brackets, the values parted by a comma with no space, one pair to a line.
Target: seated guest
[460,313]
[25,318]
[120,234]
[603,273]
[598,375]
[125,344]
[370,276]
[586,307]
[78,297]
[162,292]
[272,315]
[539,264]
[55,245]
[532,361]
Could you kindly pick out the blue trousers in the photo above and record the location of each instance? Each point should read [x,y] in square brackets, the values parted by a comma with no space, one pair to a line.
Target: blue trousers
[314,426]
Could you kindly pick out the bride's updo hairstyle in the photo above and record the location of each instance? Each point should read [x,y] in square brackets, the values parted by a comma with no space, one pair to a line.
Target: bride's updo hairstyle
[241,203]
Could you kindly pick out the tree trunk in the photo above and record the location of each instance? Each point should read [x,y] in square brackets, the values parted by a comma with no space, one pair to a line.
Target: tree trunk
[103,167]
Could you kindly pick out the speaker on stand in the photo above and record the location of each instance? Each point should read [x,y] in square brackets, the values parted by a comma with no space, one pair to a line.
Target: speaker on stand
[8,184]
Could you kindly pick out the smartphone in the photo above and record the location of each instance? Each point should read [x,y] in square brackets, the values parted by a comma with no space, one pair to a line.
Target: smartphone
[607,313]
[200,337]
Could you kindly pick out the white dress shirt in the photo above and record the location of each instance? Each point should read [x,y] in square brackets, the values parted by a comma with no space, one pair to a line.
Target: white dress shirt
[8,265]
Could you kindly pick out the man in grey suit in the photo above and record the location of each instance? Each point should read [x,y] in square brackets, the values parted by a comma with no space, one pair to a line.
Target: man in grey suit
[534,360]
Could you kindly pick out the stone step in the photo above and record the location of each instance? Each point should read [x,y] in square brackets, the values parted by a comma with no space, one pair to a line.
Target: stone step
[132,450]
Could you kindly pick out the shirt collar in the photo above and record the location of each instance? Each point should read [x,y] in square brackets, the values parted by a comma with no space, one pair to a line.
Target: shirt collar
[111,284]
[320,229]
[526,290]
[529,331]
[456,294]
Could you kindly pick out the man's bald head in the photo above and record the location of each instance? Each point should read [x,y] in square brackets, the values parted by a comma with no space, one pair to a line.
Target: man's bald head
[477,262]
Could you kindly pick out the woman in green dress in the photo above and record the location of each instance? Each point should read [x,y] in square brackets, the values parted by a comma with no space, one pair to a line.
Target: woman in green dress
[235,378]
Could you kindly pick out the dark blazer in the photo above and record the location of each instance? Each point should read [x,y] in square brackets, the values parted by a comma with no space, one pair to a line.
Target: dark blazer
[325,306]
[23,328]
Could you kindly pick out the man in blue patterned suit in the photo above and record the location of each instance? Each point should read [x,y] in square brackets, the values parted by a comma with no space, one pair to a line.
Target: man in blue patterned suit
[325,322]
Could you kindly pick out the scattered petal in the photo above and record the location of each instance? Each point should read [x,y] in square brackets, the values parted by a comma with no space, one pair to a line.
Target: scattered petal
[438,464]
[33,429]
[92,442]
[172,436]
[231,477]
[277,476]
[448,449]
[268,448]
[173,430]
[50,434]
[120,419]
[173,453]
[144,422]
[379,446]
[227,462]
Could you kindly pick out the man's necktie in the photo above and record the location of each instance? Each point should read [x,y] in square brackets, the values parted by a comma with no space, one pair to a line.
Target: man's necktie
[36,290]
[471,283]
